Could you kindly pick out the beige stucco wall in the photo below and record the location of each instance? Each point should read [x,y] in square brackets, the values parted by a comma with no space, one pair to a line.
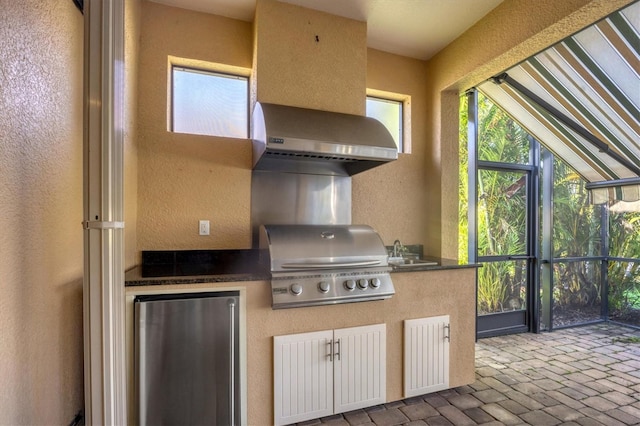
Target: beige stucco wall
[309,59]
[212,176]
[184,178]
[392,198]
[41,248]
[131,62]
[418,295]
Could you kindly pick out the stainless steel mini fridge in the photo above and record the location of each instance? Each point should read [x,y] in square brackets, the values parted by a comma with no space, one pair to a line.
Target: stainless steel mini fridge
[187,358]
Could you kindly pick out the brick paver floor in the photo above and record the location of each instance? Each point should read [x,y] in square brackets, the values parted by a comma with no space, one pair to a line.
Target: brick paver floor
[580,376]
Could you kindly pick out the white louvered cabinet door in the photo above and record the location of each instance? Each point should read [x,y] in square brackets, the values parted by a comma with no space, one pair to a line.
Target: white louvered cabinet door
[426,355]
[359,367]
[303,377]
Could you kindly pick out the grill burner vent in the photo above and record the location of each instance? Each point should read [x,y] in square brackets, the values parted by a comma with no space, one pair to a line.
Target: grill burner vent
[301,155]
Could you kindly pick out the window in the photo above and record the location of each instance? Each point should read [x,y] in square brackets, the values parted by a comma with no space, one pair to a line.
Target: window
[209,103]
[390,113]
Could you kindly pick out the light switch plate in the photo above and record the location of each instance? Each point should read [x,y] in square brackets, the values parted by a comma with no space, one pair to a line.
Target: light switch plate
[204,227]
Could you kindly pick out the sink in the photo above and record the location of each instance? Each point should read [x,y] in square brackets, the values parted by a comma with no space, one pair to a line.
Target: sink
[408,262]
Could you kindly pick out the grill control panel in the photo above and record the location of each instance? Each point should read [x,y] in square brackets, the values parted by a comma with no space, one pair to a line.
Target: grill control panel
[290,291]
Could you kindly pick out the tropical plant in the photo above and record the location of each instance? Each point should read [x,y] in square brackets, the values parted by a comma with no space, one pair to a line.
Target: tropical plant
[624,276]
[491,290]
[501,210]
[576,222]
[577,234]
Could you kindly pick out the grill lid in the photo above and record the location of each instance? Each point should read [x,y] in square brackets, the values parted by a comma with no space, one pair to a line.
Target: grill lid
[317,247]
[315,265]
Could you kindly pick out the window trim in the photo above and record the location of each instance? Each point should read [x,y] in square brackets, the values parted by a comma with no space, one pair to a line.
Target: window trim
[405,100]
[210,68]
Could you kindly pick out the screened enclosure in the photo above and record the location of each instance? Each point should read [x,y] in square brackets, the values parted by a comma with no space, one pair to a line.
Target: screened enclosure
[550,166]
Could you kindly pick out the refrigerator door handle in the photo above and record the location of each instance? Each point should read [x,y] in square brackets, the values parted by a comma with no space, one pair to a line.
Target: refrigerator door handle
[232,304]
[142,350]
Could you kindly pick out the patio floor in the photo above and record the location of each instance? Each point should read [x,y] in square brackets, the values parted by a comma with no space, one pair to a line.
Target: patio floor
[580,376]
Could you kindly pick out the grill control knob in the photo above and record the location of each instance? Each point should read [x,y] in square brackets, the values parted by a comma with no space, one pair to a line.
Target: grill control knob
[296,289]
[349,284]
[375,282]
[324,287]
[363,283]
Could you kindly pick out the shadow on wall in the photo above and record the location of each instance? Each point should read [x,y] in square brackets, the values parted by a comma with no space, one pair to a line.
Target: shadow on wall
[214,151]
[72,362]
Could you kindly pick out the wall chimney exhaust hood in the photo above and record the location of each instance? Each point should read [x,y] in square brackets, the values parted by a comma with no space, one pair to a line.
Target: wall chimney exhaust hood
[299,140]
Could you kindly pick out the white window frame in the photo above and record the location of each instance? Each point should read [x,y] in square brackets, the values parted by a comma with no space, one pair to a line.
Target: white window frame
[405,100]
[207,68]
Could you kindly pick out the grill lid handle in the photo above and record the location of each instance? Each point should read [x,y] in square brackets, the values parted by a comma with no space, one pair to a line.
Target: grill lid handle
[302,265]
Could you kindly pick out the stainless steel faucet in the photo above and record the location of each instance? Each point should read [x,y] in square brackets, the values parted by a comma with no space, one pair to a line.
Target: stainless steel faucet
[397,248]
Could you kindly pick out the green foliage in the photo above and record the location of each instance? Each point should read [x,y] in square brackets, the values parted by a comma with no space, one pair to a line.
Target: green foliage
[576,285]
[501,286]
[463,190]
[632,339]
[624,234]
[576,222]
[501,213]
[491,291]
[500,138]
[577,232]
[502,209]
[624,277]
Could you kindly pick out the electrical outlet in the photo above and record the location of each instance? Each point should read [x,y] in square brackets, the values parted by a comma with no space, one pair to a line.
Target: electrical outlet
[204,227]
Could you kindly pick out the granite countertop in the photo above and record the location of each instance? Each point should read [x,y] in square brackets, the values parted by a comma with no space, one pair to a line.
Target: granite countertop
[206,266]
[161,267]
[134,277]
[441,263]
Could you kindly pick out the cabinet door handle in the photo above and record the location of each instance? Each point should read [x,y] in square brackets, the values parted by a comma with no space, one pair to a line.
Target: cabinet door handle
[330,354]
[337,353]
[448,335]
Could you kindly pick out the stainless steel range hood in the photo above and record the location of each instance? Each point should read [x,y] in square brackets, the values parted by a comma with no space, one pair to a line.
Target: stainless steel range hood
[300,140]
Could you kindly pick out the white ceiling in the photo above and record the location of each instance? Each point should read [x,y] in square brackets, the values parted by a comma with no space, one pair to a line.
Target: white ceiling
[414,28]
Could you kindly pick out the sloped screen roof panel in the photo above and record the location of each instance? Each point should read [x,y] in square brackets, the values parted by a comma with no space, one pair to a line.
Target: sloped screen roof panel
[581,99]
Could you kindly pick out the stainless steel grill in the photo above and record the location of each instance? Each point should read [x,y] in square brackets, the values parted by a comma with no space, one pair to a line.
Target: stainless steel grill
[325,264]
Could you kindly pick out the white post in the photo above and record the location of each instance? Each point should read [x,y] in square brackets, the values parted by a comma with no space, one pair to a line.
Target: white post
[103,292]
